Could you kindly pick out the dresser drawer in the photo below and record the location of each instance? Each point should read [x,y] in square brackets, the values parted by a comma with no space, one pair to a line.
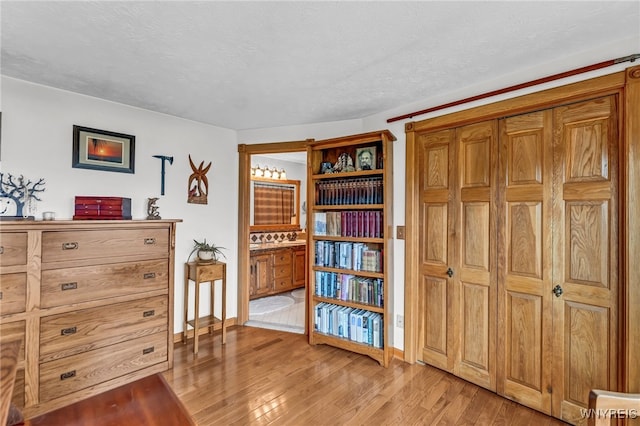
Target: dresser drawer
[13,248]
[81,331]
[77,372]
[282,257]
[74,285]
[11,330]
[13,293]
[58,246]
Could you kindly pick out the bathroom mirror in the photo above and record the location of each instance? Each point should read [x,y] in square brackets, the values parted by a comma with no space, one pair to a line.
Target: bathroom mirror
[275,204]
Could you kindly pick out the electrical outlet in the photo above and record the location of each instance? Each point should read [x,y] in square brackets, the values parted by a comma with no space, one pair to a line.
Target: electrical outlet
[400,321]
[400,232]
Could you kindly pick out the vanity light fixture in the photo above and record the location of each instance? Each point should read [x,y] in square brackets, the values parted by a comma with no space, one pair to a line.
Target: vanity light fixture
[271,173]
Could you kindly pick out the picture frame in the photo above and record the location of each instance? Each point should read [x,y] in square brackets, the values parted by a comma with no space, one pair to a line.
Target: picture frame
[366,158]
[103,150]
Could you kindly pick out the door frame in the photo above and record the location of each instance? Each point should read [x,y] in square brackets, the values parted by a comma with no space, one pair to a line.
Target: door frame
[245,151]
[625,84]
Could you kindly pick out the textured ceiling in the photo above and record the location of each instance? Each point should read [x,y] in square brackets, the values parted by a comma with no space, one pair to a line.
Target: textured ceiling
[243,65]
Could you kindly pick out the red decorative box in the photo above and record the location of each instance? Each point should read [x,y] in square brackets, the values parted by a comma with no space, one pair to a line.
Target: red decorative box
[102,208]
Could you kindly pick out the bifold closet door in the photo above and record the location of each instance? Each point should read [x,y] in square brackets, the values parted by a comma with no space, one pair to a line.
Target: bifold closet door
[585,259]
[525,259]
[457,294]
[558,256]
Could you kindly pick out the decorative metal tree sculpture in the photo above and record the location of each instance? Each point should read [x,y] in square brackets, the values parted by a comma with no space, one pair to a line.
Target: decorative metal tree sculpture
[17,193]
[198,185]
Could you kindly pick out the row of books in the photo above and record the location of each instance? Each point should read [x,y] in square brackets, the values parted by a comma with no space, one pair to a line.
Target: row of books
[357,325]
[347,255]
[349,223]
[349,191]
[350,288]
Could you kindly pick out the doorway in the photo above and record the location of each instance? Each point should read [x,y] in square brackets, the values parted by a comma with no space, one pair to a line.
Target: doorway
[284,309]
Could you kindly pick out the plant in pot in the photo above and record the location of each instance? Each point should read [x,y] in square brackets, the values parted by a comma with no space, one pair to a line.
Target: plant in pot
[206,252]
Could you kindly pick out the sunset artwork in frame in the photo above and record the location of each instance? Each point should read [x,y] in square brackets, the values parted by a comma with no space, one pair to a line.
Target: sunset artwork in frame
[102,150]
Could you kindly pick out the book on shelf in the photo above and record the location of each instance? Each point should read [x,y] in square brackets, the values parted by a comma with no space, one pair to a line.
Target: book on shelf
[349,288]
[356,256]
[349,223]
[349,191]
[357,325]
[320,223]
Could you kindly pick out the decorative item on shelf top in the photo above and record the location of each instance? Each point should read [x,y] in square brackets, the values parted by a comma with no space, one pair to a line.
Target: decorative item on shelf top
[344,164]
[207,252]
[326,168]
[152,209]
[366,158]
[198,185]
[17,196]
[102,208]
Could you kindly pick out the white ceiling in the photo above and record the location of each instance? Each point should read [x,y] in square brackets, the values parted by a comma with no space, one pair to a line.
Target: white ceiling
[243,65]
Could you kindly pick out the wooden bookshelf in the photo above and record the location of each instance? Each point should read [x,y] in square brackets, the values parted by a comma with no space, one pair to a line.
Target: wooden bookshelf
[361,204]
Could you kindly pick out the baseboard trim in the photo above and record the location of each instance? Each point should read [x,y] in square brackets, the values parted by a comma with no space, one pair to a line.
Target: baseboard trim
[398,354]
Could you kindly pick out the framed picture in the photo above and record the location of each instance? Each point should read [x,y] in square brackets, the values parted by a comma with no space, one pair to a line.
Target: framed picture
[366,158]
[101,150]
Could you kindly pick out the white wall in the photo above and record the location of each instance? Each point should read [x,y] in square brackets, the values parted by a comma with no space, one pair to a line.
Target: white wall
[37,124]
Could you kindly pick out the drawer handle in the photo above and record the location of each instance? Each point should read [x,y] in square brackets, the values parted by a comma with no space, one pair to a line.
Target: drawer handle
[68,375]
[0,295]
[149,241]
[1,249]
[150,313]
[146,351]
[69,286]
[68,331]
[69,246]
[149,275]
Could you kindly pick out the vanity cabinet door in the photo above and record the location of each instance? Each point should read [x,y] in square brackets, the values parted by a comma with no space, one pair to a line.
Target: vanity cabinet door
[299,267]
[261,282]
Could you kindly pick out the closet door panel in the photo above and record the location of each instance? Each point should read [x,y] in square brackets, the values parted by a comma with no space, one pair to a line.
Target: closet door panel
[586,253]
[437,214]
[475,278]
[524,257]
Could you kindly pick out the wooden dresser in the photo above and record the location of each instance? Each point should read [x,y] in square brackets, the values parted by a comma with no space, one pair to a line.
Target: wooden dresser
[92,301]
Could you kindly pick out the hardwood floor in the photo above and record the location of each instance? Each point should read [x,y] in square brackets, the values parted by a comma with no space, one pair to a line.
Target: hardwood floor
[272,377]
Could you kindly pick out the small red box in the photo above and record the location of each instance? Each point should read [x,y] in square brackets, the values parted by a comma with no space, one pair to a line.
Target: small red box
[102,208]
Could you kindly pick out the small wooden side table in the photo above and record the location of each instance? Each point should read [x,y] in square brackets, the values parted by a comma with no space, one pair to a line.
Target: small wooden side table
[200,273]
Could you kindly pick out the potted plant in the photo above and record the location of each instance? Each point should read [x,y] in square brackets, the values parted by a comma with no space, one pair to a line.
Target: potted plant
[206,252]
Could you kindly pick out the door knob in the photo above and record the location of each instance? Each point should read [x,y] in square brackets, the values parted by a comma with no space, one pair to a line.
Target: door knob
[450,272]
[557,290]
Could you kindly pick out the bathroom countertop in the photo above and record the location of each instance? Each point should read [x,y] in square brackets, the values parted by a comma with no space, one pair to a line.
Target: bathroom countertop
[276,245]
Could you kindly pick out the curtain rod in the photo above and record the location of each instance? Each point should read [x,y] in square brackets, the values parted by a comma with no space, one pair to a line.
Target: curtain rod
[593,67]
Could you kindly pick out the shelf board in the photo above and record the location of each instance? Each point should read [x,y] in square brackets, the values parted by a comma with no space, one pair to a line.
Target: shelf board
[377,354]
[350,304]
[204,322]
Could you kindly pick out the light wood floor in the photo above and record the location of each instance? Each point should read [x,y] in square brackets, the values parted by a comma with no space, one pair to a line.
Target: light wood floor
[272,377]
